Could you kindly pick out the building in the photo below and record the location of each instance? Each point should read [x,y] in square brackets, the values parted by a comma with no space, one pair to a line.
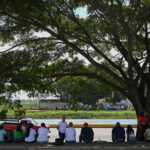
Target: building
[50,104]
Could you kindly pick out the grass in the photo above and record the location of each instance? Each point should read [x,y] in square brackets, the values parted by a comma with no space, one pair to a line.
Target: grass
[29,106]
[83,115]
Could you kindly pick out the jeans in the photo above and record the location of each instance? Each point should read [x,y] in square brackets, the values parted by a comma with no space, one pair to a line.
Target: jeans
[18,140]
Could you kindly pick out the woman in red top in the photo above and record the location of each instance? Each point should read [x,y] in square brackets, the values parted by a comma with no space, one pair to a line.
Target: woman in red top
[142,123]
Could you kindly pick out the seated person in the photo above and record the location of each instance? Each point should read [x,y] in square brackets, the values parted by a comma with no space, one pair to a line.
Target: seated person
[30,134]
[23,126]
[18,134]
[118,133]
[42,133]
[3,133]
[130,134]
[87,134]
[147,134]
[70,134]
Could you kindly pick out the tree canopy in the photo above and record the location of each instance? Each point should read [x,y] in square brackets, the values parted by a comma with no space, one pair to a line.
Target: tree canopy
[49,38]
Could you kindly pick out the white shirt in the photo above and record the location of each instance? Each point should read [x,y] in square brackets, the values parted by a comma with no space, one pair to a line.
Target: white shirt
[31,136]
[70,134]
[62,126]
[23,129]
[42,134]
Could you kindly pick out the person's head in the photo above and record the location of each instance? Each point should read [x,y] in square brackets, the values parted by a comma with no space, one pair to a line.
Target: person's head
[70,124]
[118,124]
[1,127]
[18,127]
[43,125]
[142,113]
[85,124]
[145,114]
[23,123]
[28,129]
[129,129]
[63,119]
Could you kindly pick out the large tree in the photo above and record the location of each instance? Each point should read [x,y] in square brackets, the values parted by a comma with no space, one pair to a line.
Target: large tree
[113,37]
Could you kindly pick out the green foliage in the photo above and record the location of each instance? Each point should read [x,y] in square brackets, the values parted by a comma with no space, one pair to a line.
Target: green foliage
[47,36]
[10,109]
[81,89]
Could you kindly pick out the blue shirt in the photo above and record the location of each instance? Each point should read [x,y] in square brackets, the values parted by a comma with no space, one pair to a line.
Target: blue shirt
[2,133]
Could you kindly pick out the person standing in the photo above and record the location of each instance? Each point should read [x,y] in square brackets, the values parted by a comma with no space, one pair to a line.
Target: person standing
[118,133]
[130,134]
[142,125]
[62,129]
[42,134]
[87,134]
[70,134]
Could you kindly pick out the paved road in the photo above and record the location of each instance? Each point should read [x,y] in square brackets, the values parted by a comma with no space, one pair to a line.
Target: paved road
[103,133]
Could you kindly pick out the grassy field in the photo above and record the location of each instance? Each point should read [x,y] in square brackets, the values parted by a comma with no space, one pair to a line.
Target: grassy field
[84,115]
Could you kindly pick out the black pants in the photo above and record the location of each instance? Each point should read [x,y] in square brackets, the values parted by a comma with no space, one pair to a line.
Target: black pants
[85,140]
[62,136]
[142,130]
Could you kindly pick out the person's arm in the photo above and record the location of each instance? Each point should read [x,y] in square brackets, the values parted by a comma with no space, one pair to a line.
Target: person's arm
[81,134]
[58,126]
[75,132]
[145,135]
[92,132]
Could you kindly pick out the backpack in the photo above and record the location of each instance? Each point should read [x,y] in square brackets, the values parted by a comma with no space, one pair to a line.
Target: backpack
[58,142]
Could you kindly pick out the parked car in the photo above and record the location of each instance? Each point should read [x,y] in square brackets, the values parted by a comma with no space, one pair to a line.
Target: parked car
[11,124]
[109,106]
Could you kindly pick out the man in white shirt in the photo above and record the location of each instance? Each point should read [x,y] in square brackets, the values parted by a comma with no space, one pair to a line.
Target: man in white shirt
[42,134]
[70,134]
[62,128]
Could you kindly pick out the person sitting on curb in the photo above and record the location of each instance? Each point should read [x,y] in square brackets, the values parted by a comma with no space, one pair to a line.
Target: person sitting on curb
[147,134]
[30,134]
[87,134]
[3,134]
[118,133]
[130,134]
[70,134]
[42,134]
[18,134]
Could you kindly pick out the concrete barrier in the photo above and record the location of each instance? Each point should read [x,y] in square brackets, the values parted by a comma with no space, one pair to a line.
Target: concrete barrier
[95,125]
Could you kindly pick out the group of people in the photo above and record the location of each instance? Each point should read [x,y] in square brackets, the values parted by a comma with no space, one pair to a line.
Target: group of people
[69,134]
[21,134]
[29,134]
[118,132]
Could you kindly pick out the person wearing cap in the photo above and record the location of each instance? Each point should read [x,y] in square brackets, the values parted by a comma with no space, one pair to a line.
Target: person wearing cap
[87,134]
[118,133]
[62,129]
[70,134]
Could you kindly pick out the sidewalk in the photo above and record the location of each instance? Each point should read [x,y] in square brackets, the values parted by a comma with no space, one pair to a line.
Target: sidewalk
[76,146]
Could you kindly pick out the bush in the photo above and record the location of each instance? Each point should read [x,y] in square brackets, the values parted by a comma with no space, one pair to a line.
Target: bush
[83,115]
